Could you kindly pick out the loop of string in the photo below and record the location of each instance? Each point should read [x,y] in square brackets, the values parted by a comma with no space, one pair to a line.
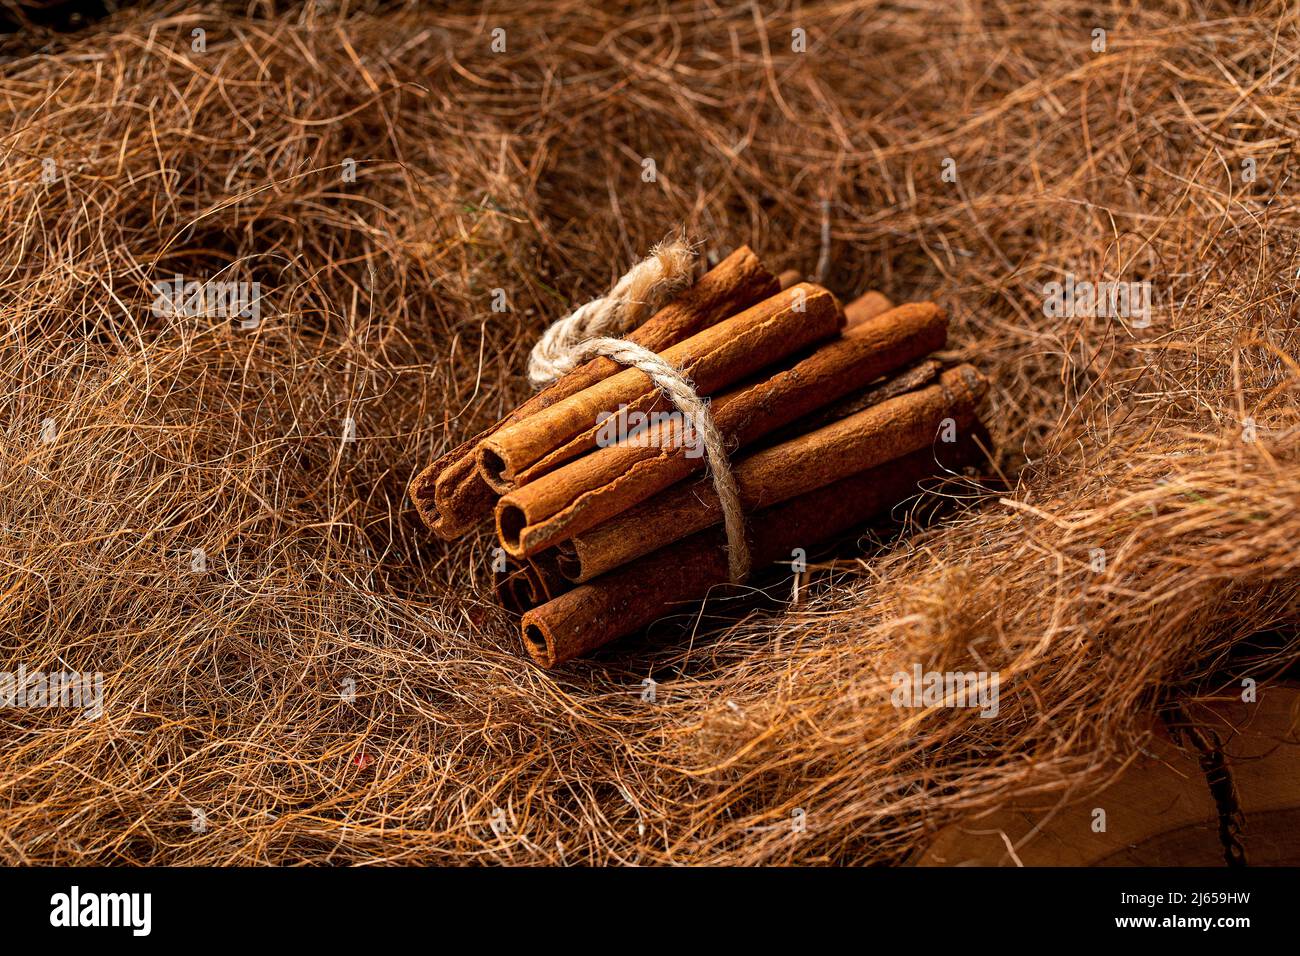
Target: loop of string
[579,337]
[645,287]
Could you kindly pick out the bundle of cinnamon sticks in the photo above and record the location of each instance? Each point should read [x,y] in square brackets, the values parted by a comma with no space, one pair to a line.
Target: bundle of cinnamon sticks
[597,487]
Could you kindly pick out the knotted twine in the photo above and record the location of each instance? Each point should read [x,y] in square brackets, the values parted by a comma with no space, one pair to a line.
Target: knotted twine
[591,330]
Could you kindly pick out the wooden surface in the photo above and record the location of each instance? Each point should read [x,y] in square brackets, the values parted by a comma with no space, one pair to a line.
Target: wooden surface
[1159,808]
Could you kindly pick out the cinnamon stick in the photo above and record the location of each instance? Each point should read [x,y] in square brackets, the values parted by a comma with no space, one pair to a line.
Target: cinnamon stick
[891,429]
[450,495]
[527,586]
[866,306]
[514,590]
[898,383]
[633,596]
[582,494]
[713,359]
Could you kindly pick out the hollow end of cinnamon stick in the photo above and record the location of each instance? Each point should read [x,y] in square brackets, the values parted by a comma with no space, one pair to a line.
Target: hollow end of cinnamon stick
[440,521]
[494,470]
[448,495]
[570,567]
[511,521]
[528,585]
[539,644]
[564,561]
[512,591]
[426,504]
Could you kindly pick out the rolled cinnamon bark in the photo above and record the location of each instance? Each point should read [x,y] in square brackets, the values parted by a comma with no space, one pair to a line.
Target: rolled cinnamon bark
[514,590]
[527,586]
[910,379]
[717,357]
[866,306]
[582,494]
[891,429]
[450,495]
[633,596]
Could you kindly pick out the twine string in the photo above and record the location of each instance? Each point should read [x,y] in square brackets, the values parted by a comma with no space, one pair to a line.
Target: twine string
[580,336]
[646,286]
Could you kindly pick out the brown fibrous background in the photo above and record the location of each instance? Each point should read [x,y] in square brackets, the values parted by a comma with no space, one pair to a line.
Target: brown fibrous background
[339,687]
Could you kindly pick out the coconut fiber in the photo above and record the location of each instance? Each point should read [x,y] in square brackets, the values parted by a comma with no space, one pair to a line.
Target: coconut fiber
[210,510]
